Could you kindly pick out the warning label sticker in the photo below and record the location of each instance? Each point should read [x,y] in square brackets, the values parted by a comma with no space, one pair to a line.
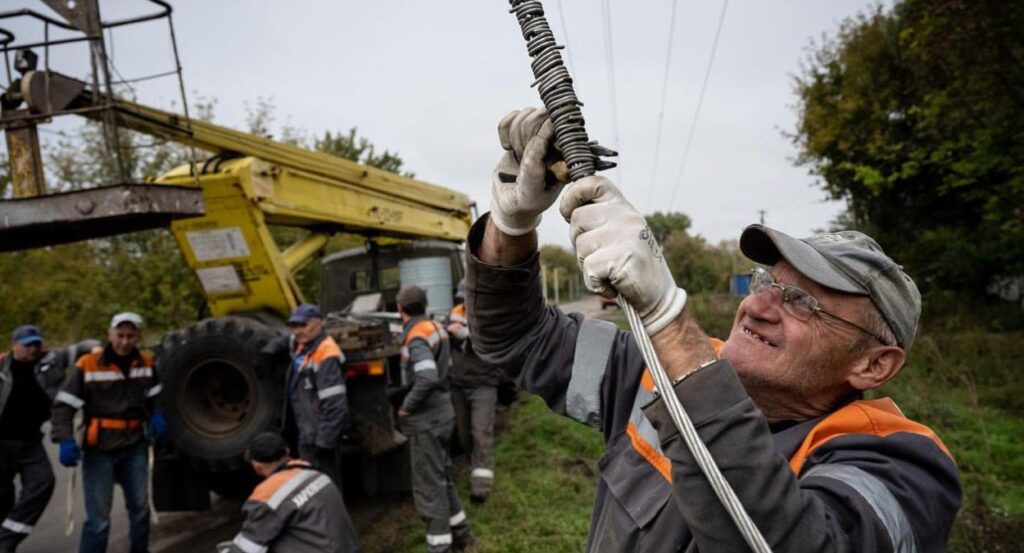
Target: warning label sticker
[221,243]
[219,280]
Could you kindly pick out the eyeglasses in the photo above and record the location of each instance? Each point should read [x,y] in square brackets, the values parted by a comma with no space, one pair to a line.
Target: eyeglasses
[797,302]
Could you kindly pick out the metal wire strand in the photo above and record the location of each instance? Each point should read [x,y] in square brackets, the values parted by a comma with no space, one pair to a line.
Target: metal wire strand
[556,91]
[705,461]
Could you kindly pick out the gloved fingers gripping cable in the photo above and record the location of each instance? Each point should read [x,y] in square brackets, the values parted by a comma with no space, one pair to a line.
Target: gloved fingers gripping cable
[581,157]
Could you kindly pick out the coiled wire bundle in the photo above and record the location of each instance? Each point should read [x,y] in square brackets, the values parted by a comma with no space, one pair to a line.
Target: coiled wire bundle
[555,86]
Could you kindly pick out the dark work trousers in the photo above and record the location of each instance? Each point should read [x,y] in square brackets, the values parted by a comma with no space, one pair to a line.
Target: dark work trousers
[474,419]
[26,459]
[432,489]
[127,467]
[324,460]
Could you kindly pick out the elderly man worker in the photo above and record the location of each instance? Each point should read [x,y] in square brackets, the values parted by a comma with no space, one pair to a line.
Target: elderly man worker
[778,405]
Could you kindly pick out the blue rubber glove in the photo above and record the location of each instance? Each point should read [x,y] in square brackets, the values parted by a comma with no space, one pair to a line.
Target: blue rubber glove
[157,425]
[70,453]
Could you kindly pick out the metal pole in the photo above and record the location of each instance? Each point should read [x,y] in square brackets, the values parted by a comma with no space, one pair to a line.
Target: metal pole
[557,300]
[544,282]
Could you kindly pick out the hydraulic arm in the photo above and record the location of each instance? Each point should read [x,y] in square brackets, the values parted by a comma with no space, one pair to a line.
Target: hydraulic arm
[249,183]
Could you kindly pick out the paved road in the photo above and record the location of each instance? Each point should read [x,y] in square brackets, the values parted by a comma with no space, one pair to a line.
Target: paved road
[48,535]
[589,305]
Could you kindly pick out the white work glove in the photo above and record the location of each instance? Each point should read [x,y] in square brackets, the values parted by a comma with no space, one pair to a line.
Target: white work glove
[617,252]
[521,188]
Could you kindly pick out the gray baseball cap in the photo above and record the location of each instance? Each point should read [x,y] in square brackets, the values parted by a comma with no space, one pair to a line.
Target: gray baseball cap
[848,261]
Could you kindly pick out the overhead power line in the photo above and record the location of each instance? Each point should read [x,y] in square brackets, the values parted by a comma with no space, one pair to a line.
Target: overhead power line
[609,55]
[565,37]
[664,95]
[700,102]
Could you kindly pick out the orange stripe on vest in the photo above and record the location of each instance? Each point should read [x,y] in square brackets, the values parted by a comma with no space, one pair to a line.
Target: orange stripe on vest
[266,489]
[92,433]
[876,417]
[422,329]
[649,451]
[325,350]
[90,362]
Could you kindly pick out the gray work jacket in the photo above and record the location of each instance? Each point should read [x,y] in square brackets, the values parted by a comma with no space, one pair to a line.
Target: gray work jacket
[426,367]
[317,393]
[863,478]
[295,510]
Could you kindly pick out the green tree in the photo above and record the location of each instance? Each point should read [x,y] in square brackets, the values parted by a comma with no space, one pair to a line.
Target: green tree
[664,224]
[915,117]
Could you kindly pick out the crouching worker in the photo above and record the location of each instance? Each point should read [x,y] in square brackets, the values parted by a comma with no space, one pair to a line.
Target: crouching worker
[296,509]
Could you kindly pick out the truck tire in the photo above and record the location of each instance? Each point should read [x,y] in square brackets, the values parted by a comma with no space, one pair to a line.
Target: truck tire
[220,390]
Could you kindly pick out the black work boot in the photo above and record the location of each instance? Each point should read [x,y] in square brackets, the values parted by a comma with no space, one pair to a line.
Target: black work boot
[462,537]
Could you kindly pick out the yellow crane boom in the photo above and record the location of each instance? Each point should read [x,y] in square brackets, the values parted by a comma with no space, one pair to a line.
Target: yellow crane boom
[252,182]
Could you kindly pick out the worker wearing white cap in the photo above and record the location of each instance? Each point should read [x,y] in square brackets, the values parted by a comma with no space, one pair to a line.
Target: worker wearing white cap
[117,388]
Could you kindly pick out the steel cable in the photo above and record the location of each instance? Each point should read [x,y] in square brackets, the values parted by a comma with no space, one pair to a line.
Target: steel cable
[581,157]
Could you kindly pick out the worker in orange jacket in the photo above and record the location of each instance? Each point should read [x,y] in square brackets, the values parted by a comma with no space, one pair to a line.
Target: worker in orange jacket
[317,399]
[296,509]
[118,389]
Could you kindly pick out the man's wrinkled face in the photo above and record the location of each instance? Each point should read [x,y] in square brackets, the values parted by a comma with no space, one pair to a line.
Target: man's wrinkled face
[123,338]
[26,353]
[793,368]
[307,332]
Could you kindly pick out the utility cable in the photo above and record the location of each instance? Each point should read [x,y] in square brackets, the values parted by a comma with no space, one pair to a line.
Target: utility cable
[664,95]
[609,56]
[684,424]
[700,102]
[565,33]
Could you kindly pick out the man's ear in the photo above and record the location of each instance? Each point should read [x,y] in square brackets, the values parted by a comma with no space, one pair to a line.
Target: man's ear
[876,367]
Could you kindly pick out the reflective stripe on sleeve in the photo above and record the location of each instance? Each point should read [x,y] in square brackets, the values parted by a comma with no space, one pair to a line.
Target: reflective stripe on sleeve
[425,365]
[593,347]
[155,390]
[70,399]
[331,391]
[141,372]
[458,518]
[439,539]
[103,376]
[247,545]
[487,474]
[878,496]
[16,527]
[285,490]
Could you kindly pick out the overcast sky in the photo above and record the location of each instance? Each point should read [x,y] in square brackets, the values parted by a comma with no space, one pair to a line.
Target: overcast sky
[430,80]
